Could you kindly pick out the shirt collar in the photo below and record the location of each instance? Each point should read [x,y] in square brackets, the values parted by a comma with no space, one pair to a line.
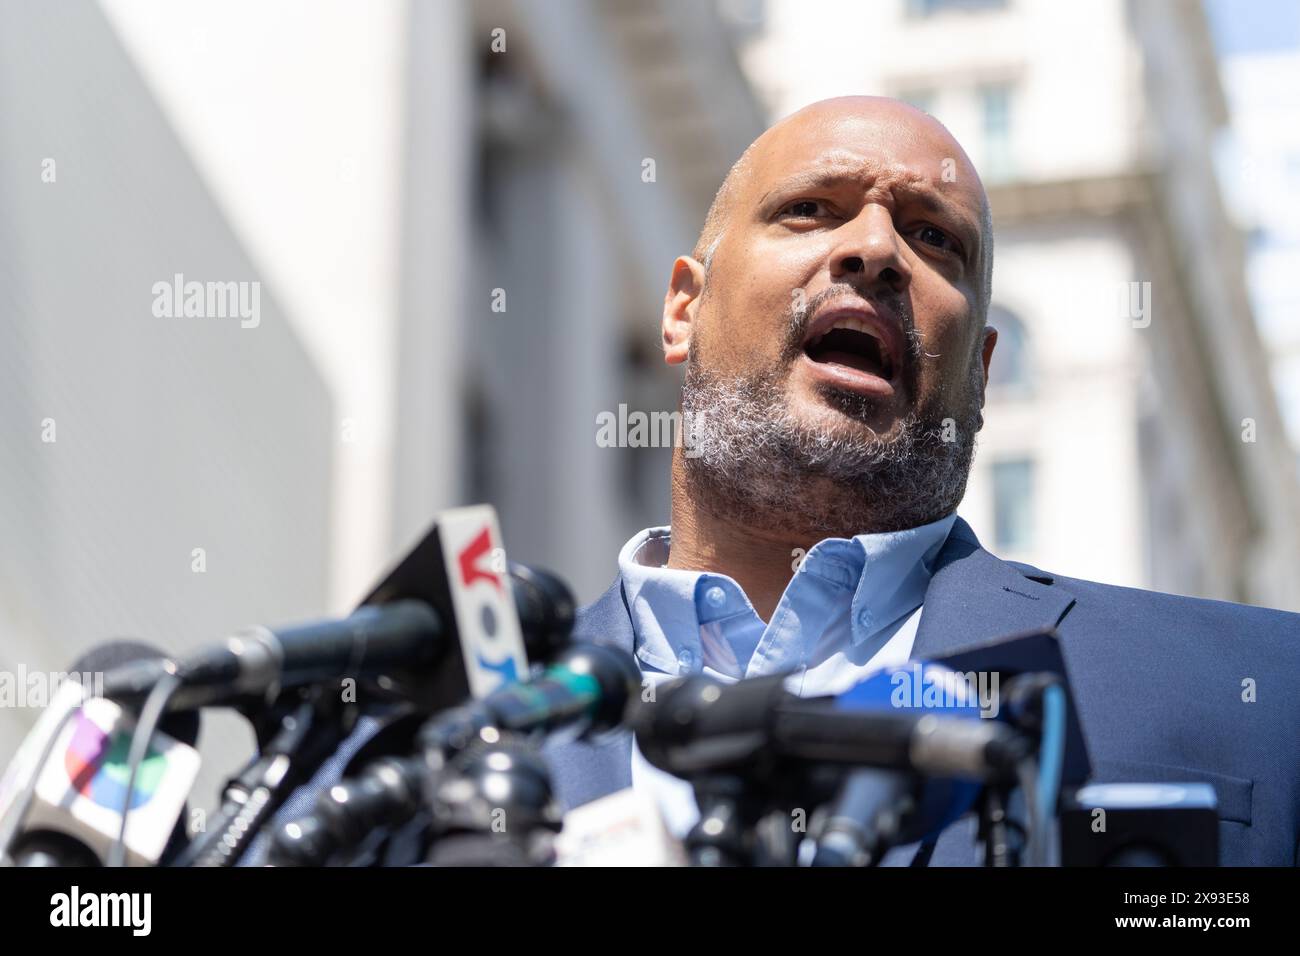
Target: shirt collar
[888,573]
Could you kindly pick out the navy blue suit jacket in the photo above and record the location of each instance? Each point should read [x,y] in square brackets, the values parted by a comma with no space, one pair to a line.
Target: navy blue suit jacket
[1157,680]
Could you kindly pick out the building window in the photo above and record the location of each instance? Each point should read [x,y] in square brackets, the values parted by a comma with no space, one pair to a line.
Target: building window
[922,99]
[995,123]
[746,18]
[1010,369]
[926,8]
[1013,505]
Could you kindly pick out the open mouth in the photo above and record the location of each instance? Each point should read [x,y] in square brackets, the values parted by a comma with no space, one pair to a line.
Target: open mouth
[852,345]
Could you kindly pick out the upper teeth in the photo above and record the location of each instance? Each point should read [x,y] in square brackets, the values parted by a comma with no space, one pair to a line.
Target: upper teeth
[851,323]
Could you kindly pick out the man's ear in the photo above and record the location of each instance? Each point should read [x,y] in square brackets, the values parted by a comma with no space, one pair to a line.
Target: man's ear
[681,303]
[990,340]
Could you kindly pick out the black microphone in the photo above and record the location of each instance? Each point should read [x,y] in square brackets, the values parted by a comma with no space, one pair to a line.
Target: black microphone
[446,601]
[114,655]
[699,726]
[259,661]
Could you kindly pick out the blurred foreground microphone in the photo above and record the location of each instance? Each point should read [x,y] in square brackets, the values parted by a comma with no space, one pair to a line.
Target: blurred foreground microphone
[700,726]
[62,796]
[587,691]
[876,809]
[452,602]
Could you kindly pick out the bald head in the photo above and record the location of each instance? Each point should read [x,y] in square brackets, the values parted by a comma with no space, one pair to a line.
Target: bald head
[948,160]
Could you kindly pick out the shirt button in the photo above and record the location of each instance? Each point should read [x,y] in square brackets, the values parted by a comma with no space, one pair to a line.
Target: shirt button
[716,596]
[686,659]
[865,619]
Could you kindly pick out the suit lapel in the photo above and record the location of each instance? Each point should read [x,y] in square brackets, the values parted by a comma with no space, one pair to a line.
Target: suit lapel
[583,771]
[974,598]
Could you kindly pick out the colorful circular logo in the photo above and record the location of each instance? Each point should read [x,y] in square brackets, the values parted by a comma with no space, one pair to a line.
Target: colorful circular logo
[97,767]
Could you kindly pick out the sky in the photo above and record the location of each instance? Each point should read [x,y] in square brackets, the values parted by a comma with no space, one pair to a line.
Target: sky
[1254,26]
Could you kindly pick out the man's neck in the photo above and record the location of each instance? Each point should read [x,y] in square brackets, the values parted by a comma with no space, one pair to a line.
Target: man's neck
[761,557]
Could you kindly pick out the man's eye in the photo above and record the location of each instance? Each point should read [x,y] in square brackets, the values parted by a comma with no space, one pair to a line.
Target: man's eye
[804,209]
[936,237]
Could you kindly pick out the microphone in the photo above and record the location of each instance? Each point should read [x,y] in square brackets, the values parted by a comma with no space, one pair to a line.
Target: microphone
[259,662]
[587,691]
[65,789]
[699,726]
[496,803]
[876,809]
[452,602]
[865,819]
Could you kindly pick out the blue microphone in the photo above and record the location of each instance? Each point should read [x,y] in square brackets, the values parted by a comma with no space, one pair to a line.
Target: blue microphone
[876,808]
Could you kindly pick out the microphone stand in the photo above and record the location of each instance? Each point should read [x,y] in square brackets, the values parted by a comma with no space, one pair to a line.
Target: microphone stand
[722,836]
[308,732]
[1000,849]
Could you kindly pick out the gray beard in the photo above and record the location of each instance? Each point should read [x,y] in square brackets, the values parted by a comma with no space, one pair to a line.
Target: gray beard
[747,459]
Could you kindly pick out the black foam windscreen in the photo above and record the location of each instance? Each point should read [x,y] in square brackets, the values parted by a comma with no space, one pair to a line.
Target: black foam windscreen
[182,725]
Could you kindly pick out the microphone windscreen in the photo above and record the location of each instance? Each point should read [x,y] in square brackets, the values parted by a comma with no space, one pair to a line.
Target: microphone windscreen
[102,658]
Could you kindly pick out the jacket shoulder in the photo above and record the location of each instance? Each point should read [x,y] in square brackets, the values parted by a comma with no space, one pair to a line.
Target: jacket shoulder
[1187,618]
[605,620]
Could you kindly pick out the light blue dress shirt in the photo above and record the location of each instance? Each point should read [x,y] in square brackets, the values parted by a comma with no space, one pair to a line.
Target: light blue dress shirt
[851,607]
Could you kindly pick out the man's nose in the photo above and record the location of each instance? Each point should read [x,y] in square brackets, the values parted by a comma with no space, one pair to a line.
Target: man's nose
[870,248]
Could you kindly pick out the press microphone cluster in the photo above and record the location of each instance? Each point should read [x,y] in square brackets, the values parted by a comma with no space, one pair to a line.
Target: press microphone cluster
[444,655]
[586,692]
[452,620]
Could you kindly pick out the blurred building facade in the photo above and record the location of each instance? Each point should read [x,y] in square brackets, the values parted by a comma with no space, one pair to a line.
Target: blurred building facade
[1260,170]
[1131,433]
[165,478]
[595,134]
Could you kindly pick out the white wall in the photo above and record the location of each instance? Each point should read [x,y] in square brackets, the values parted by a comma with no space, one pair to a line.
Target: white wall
[292,111]
[171,433]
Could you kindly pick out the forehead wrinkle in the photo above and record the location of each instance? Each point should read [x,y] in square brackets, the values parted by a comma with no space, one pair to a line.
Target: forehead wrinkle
[827,170]
[904,182]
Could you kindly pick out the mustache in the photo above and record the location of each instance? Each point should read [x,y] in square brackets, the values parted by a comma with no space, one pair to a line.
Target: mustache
[892,304]
[897,305]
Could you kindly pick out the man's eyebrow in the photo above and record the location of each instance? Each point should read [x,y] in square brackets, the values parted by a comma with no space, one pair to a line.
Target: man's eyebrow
[810,179]
[917,190]
[931,199]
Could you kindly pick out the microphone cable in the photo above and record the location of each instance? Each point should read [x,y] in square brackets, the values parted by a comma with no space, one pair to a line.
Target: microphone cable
[151,714]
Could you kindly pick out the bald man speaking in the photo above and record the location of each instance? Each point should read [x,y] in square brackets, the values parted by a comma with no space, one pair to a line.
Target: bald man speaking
[832,325]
